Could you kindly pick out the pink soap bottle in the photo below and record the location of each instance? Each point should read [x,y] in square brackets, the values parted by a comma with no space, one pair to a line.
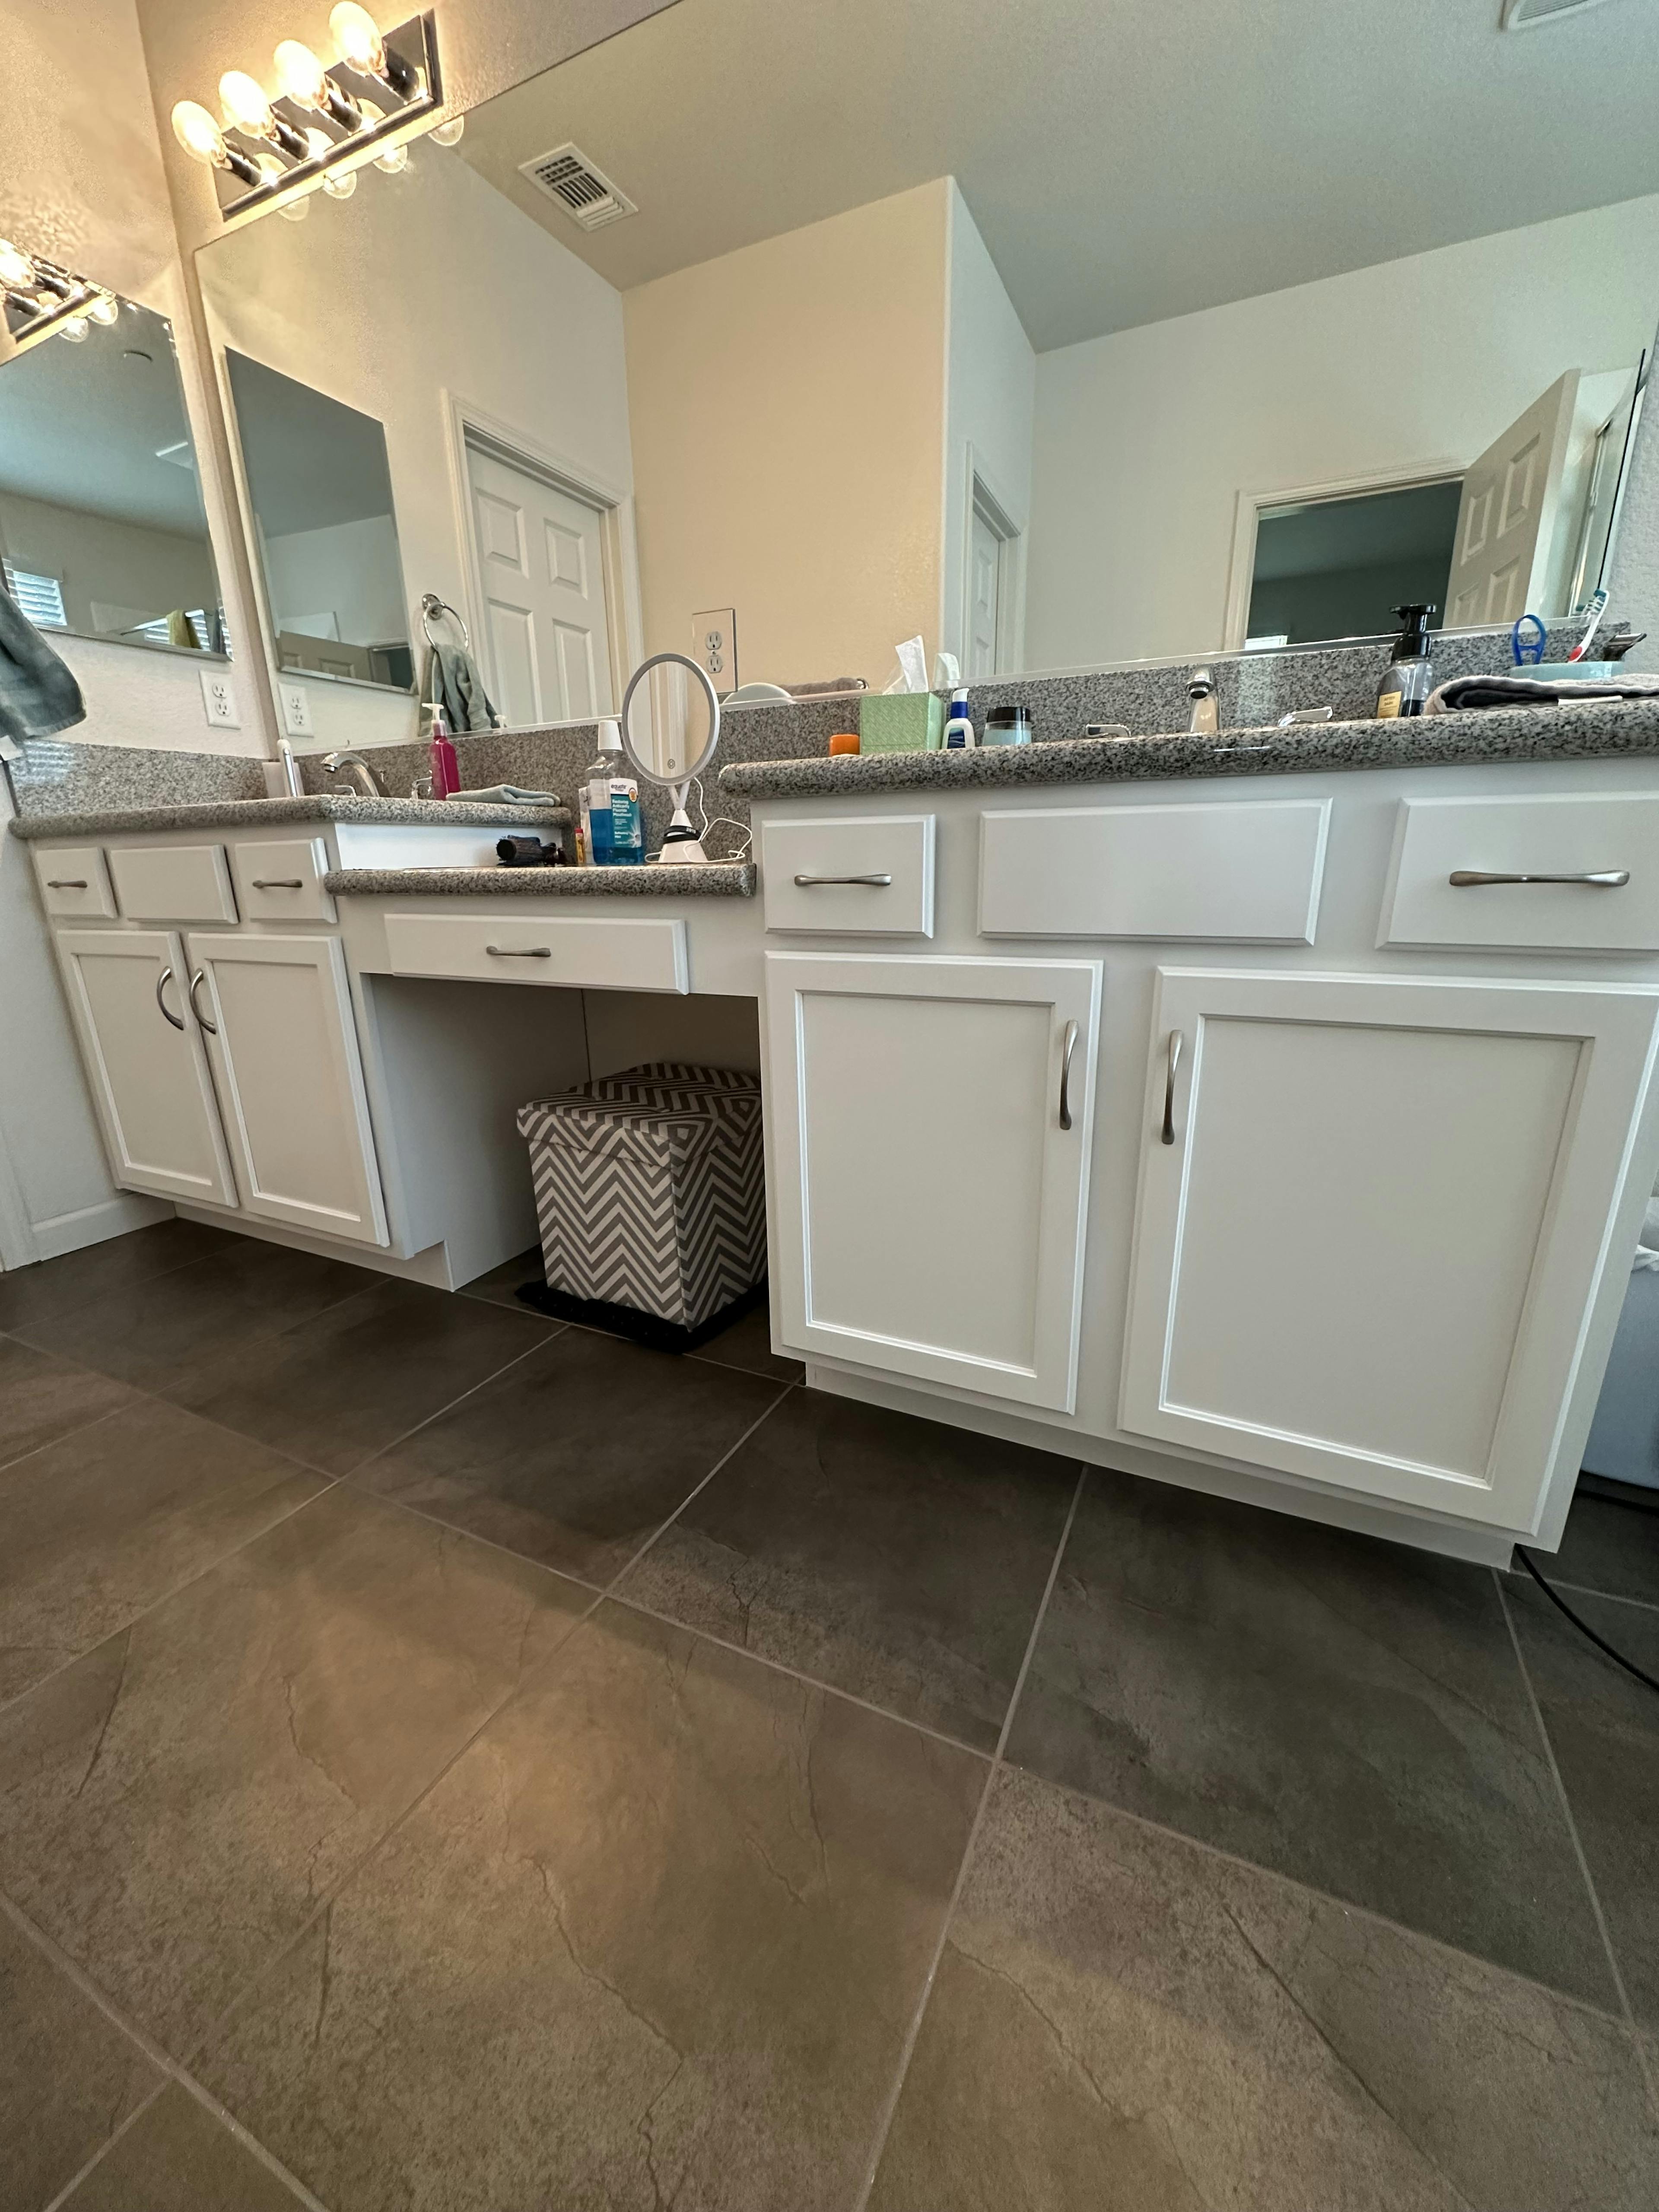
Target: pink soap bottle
[445,768]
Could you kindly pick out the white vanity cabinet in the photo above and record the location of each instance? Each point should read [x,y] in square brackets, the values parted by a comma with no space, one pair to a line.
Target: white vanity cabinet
[276,1015]
[145,1062]
[1374,1216]
[929,1125]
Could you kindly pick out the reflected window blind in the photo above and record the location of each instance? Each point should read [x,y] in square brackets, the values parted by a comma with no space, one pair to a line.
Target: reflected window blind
[41,597]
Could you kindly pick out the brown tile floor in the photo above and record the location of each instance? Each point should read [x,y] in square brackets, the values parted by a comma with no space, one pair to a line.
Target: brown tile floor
[448,1759]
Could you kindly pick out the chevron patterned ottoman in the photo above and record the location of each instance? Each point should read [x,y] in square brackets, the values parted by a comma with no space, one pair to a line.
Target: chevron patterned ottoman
[650,1189]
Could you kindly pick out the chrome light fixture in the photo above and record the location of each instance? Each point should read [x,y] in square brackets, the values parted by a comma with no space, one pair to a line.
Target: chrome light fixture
[41,299]
[324,120]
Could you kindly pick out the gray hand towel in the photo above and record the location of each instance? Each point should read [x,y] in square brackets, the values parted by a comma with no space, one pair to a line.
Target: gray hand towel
[1519,691]
[453,682]
[38,695]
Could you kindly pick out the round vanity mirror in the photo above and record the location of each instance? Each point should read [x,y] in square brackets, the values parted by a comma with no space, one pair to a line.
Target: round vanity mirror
[671,725]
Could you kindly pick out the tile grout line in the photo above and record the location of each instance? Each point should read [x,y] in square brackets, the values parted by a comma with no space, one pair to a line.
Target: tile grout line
[697,1492]
[79,1430]
[62,1313]
[328,1482]
[221,2019]
[1606,1597]
[494,1376]
[907,2052]
[169,2068]
[1637,2038]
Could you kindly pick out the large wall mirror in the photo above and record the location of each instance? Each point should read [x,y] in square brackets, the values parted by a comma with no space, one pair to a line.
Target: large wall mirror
[805,331]
[102,531]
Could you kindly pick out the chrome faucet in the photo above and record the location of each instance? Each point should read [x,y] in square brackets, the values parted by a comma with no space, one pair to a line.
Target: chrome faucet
[1207,716]
[355,770]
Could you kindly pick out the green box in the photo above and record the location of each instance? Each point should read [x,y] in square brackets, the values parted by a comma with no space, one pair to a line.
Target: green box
[900,721]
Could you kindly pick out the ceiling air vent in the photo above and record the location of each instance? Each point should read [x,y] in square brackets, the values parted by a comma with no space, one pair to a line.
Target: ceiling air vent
[1528,15]
[581,189]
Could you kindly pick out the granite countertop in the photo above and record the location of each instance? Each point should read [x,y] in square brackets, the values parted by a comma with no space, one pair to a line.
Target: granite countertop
[1588,730]
[314,806]
[715,879]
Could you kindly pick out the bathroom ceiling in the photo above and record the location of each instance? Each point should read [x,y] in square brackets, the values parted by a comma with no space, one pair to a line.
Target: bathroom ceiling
[1123,163]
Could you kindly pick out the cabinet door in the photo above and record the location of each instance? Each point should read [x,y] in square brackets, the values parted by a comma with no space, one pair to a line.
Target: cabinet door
[144,1060]
[928,1195]
[284,1052]
[1375,1225]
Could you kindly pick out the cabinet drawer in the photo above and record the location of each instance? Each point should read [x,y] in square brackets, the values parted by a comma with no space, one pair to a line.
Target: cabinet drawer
[172,883]
[600,953]
[1248,870]
[1437,840]
[73,880]
[810,873]
[282,881]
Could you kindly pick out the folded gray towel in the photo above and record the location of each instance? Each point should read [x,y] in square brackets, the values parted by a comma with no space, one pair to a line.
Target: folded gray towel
[508,794]
[453,682]
[38,695]
[1463,691]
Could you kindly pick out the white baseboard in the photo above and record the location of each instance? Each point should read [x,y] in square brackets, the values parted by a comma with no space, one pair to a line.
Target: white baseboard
[1482,1547]
[94,1224]
[431,1266]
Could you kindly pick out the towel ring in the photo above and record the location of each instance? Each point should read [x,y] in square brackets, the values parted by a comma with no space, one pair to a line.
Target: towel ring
[431,608]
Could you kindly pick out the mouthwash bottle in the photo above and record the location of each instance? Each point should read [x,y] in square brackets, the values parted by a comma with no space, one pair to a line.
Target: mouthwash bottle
[613,831]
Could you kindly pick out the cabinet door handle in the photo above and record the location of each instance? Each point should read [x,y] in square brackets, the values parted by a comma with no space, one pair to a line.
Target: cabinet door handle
[1172,1063]
[1602,879]
[1066,1052]
[878,883]
[279,883]
[212,1027]
[162,983]
[520,951]
[66,883]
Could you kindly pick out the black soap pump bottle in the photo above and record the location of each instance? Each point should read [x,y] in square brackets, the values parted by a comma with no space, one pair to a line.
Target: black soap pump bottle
[1410,678]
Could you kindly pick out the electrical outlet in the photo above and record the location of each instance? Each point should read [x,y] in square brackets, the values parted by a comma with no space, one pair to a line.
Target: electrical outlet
[219,699]
[714,644]
[297,710]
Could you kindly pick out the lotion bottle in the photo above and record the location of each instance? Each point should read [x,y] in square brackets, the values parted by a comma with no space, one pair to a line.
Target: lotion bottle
[1410,678]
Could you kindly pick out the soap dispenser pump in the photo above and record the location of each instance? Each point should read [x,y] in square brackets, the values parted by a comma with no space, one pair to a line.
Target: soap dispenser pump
[1410,678]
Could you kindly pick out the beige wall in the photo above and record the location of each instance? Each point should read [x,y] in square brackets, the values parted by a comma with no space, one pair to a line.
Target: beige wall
[786,403]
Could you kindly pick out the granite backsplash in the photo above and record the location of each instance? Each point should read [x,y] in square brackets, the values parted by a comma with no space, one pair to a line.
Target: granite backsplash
[1253,690]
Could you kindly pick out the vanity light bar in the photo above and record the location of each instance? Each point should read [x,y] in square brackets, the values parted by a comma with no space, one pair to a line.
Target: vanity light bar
[42,299]
[326,118]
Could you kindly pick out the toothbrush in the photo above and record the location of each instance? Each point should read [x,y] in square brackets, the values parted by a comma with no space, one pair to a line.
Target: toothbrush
[1597,608]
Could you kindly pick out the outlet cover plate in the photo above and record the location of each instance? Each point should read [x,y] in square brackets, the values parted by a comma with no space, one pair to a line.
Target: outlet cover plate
[297,710]
[219,699]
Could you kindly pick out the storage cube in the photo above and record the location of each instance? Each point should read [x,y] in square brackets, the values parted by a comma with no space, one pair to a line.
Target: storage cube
[650,1188]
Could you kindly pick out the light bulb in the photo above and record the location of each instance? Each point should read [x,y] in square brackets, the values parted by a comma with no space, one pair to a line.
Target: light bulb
[75,330]
[199,134]
[16,270]
[358,38]
[299,74]
[105,309]
[448,134]
[296,210]
[244,103]
[340,183]
[394,161]
[319,145]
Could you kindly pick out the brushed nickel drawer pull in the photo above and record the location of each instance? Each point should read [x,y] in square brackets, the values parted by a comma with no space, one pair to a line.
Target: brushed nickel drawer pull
[162,983]
[1066,1052]
[1602,879]
[1174,1050]
[880,883]
[66,883]
[212,1027]
[279,883]
[520,951]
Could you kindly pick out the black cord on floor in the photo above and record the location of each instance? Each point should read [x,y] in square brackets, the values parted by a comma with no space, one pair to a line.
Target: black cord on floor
[1584,1626]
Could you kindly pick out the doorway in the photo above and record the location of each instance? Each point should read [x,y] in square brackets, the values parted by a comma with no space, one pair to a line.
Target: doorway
[991,616]
[546,626]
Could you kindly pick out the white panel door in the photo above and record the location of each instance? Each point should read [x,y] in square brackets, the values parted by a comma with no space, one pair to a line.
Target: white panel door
[984,598]
[127,994]
[1374,1221]
[541,563]
[928,1127]
[284,1054]
[1504,521]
